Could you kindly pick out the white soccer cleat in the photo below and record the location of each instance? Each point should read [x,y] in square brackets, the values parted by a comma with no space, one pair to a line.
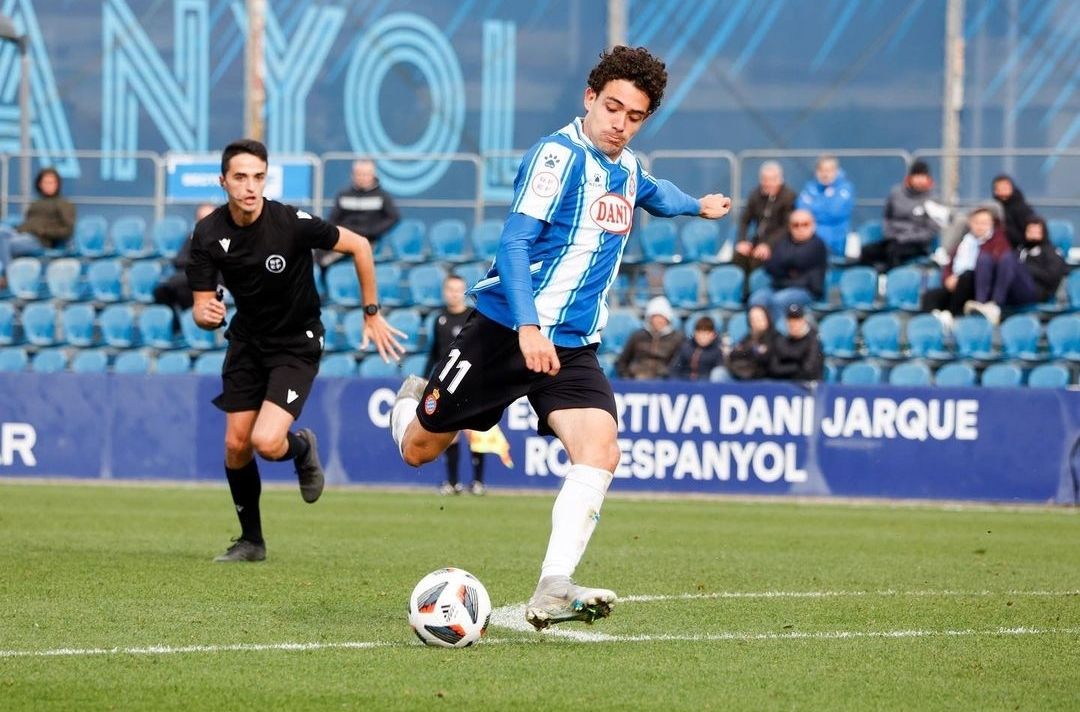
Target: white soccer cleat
[557,599]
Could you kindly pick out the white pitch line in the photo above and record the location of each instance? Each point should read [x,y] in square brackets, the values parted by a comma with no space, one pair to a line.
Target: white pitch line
[179,650]
[836,594]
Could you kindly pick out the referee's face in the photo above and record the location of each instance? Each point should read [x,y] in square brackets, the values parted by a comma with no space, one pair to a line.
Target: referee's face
[244,183]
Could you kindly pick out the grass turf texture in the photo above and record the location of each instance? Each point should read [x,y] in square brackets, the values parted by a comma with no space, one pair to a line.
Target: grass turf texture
[129,566]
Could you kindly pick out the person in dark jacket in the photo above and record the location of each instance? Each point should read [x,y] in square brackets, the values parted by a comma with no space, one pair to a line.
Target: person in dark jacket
[764,220]
[797,356]
[649,352]
[1017,210]
[364,207]
[699,354]
[796,268]
[907,229]
[750,358]
[49,222]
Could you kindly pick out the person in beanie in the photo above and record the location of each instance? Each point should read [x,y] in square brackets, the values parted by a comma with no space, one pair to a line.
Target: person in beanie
[648,352]
[908,230]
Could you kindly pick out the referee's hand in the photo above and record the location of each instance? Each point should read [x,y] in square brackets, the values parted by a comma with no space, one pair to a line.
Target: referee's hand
[376,329]
[539,352]
[211,315]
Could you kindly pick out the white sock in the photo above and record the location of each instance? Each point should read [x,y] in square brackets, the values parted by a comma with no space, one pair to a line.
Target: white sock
[404,412]
[573,518]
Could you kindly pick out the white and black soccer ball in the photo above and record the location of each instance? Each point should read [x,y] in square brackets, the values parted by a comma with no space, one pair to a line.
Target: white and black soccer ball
[449,608]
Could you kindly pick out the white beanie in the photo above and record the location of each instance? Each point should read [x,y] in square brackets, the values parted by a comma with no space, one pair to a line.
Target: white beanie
[660,306]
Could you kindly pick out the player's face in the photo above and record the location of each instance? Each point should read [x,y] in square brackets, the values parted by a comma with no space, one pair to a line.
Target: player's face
[244,183]
[613,116]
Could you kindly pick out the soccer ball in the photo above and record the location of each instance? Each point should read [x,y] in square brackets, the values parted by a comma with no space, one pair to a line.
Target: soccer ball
[449,608]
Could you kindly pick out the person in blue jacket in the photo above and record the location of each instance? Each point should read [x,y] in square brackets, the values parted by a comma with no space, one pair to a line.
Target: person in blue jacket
[830,198]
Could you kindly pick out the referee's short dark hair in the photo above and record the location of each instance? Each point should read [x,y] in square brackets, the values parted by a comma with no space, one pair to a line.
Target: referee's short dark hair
[244,145]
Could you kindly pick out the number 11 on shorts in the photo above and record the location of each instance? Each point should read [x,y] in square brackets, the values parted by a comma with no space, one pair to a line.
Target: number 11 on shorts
[451,363]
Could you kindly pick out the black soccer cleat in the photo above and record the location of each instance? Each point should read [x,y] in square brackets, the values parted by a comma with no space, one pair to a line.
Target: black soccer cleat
[242,550]
[308,468]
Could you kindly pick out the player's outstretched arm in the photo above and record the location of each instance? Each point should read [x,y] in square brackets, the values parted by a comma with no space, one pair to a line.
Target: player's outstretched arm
[714,206]
[376,329]
[208,311]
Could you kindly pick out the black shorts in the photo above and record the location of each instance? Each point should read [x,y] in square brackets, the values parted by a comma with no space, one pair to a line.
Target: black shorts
[485,372]
[281,372]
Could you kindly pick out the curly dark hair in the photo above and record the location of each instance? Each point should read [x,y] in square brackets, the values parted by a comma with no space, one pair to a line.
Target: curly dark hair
[634,64]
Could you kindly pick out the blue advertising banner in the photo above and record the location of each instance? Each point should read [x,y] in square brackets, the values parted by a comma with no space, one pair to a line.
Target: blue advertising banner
[196,178]
[762,438]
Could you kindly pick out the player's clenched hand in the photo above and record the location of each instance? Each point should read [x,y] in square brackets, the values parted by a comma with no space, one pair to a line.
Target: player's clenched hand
[539,352]
[376,329]
[714,206]
[211,314]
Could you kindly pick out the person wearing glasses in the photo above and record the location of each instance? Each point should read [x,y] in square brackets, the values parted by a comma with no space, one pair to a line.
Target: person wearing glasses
[796,268]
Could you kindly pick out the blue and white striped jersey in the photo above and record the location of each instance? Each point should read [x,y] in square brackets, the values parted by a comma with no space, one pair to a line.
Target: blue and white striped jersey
[586,203]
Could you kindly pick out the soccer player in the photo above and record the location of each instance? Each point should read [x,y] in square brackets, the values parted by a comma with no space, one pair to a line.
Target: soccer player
[540,310]
[263,251]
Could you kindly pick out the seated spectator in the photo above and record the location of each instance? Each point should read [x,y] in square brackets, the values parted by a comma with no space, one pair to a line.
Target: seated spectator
[1017,211]
[796,268]
[1015,279]
[648,352]
[798,355]
[907,228]
[984,237]
[764,219]
[830,198]
[174,291]
[48,223]
[364,207]
[699,354]
[750,358]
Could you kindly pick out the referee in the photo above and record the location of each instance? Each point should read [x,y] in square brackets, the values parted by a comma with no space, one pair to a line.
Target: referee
[262,250]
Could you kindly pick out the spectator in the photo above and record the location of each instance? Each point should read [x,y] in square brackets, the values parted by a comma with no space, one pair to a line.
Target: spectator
[958,277]
[1017,211]
[797,356]
[1014,279]
[648,352]
[768,208]
[830,198]
[796,268]
[908,228]
[364,207]
[750,358]
[699,354]
[48,223]
[174,291]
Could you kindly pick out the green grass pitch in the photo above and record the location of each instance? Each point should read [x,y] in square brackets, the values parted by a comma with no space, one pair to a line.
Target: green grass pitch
[109,600]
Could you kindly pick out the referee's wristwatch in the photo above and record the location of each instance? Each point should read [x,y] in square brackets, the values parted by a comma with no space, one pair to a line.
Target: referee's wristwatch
[371,309]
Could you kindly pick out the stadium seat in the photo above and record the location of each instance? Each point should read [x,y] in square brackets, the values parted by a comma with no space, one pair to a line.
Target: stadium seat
[24,277]
[64,279]
[913,373]
[78,323]
[1020,335]
[683,286]
[621,324]
[374,367]
[869,231]
[209,363]
[1062,234]
[926,337]
[448,241]
[1002,375]
[342,285]
[832,372]
[974,338]
[414,365]
[7,324]
[701,241]
[331,322]
[338,366]
[858,288]
[132,362]
[607,364]
[143,277]
[407,241]
[90,231]
[388,276]
[13,359]
[1048,375]
[195,337]
[409,321]
[633,254]
[737,328]
[156,327]
[485,239]
[352,328]
[172,363]
[169,234]
[759,279]
[832,287]
[861,373]
[1072,289]
[1063,335]
[39,323]
[129,237]
[881,336]
[90,361]
[903,288]
[837,333]
[660,243]
[471,272]
[118,325]
[425,285]
[49,361]
[724,285]
[104,278]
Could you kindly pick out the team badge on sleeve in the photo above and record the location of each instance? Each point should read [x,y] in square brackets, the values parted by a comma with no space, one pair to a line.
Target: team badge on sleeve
[431,402]
[545,184]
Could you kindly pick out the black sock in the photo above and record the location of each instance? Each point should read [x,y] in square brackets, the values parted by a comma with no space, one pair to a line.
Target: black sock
[478,467]
[451,456]
[298,447]
[245,486]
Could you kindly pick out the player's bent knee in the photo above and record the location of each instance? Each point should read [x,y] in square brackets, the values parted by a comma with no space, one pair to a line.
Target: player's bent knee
[268,445]
[417,455]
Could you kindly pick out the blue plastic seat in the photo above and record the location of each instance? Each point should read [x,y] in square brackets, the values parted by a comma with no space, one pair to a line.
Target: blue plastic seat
[858,288]
[342,284]
[331,321]
[683,286]
[472,272]
[414,365]
[485,239]
[388,277]
[701,241]
[49,361]
[209,363]
[338,366]
[1062,234]
[448,241]
[172,363]
[724,286]
[409,321]
[913,373]
[128,236]
[974,338]
[352,328]
[196,337]
[861,373]
[39,323]
[7,324]
[837,333]
[621,324]
[759,279]
[1063,335]
[832,372]
[870,231]
[1048,375]
[425,285]
[374,367]
[78,323]
[90,232]
[156,326]
[660,242]
[64,279]
[881,336]
[1002,375]
[117,324]
[104,278]
[169,234]
[633,254]
[1072,289]
[1020,335]
[90,361]
[132,362]
[738,327]
[143,277]
[903,288]
[13,359]
[926,337]
[24,277]
[408,241]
